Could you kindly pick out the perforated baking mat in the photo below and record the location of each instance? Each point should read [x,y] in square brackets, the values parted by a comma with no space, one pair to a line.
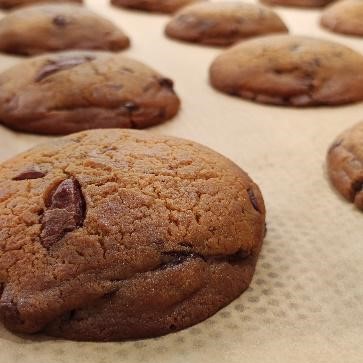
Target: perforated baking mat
[305,303]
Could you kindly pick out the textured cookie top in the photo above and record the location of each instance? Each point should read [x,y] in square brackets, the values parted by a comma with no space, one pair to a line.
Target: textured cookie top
[52,27]
[223,23]
[73,91]
[290,70]
[302,3]
[164,6]
[82,213]
[345,17]
[8,4]
[345,164]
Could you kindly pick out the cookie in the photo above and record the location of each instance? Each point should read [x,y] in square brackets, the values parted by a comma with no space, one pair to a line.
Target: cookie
[223,23]
[301,3]
[157,6]
[345,164]
[119,234]
[45,28]
[73,91]
[290,71]
[344,17]
[9,4]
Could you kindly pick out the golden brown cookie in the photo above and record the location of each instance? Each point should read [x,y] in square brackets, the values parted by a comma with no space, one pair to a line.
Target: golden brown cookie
[9,4]
[157,6]
[290,70]
[73,91]
[54,27]
[345,164]
[116,234]
[344,17]
[223,23]
[300,3]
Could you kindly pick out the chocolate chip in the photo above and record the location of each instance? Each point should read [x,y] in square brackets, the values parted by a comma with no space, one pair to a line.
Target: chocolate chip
[131,106]
[357,186]
[10,313]
[166,82]
[32,173]
[60,21]
[238,256]
[65,212]
[253,199]
[61,64]
[170,259]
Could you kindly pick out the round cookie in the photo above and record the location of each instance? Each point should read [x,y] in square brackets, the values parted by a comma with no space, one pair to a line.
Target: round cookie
[73,91]
[290,70]
[9,4]
[345,164]
[223,23]
[157,6]
[344,17]
[300,3]
[117,234]
[54,27]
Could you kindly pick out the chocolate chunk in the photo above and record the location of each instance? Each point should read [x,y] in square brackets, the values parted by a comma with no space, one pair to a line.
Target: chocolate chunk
[60,21]
[32,173]
[10,313]
[238,256]
[170,259]
[131,106]
[166,82]
[65,212]
[253,200]
[61,64]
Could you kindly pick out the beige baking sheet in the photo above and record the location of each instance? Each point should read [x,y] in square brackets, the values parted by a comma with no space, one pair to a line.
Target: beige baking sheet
[305,303]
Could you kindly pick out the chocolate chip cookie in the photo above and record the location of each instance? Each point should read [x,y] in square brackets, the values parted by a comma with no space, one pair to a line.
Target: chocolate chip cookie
[223,23]
[45,28]
[157,6]
[344,17]
[302,3]
[8,4]
[345,164]
[290,70]
[118,234]
[73,91]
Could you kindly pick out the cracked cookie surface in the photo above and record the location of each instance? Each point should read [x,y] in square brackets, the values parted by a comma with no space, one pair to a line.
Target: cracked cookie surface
[345,164]
[301,3]
[73,91]
[118,234]
[344,17]
[54,27]
[223,23]
[290,70]
[9,4]
[157,6]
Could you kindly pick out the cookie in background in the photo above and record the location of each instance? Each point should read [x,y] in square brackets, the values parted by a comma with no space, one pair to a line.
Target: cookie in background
[9,4]
[298,3]
[345,17]
[290,70]
[54,27]
[67,92]
[155,6]
[223,23]
[345,164]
